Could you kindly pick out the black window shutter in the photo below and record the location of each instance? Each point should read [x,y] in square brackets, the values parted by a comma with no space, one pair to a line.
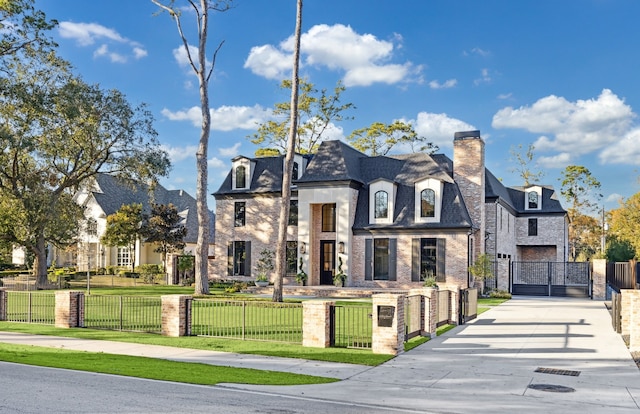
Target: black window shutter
[393,249]
[440,262]
[247,260]
[415,260]
[368,259]
[230,259]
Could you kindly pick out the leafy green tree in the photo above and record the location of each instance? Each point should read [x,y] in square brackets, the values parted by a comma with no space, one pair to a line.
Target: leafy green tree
[164,227]
[203,72]
[581,190]
[23,28]
[619,250]
[525,165]
[317,110]
[379,138]
[124,228]
[625,222]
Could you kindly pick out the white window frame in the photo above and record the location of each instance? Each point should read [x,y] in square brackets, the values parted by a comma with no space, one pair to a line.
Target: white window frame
[390,188]
[537,190]
[241,162]
[437,187]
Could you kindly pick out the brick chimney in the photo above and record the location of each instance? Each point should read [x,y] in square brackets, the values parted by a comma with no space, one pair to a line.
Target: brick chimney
[469,174]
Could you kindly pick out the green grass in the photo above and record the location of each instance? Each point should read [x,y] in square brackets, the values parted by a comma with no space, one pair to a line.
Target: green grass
[484,304]
[157,369]
[344,355]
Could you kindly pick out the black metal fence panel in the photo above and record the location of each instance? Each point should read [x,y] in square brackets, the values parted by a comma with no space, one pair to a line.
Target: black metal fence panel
[124,313]
[31,307]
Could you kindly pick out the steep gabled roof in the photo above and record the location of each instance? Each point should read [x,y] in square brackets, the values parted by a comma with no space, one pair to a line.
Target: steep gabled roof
[334,161]
[111,194]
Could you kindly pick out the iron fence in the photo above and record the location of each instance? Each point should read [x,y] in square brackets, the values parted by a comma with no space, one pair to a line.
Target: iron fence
[351,326]
[247,320]
[124,313]
[31,307]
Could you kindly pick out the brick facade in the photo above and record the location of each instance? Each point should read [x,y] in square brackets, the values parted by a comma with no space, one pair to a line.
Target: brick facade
[388,339]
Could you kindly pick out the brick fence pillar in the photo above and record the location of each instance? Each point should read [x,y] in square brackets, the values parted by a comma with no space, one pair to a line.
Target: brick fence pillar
[625,311]
[599,277]
[176,315]
[3,305]
[316,323]
[388,324]
[69,309]
[634,320]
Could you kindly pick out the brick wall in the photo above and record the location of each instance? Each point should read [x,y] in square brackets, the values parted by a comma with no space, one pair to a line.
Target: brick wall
[316,323]
[176,315]
[388,340]
[69,309]
[3,305]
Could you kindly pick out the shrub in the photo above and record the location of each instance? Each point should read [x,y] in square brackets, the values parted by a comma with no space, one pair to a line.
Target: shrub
[499,294]
[150,272]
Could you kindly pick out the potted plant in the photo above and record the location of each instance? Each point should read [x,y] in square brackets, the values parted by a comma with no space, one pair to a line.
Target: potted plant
[301,276]
[264,265]
[340,277]
[430,282]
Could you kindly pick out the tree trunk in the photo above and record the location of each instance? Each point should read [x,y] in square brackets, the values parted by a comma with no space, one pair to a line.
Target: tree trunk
[40,263]
[281,248]
[202,245]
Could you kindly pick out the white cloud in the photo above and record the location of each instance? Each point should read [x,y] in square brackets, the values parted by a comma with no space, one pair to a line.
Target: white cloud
[181,57]
[614,197]
[485,77]
[362,57]
[556,161]
[434,84]
[439,128]
[87,34]
[178,154]
[578,128]
[505,96]
[623,151]
[224,118]
[231,151]
[215,163]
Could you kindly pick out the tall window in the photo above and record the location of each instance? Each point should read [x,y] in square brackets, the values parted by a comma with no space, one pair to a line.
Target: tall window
[427,203]
[428,258]
[293,213]
[292,258]
[239,214]
[532,200]
[381,204]
[533,227]
[294,174]
[238,258]
[381,259]
[328,217]
[123,257]
[241,176]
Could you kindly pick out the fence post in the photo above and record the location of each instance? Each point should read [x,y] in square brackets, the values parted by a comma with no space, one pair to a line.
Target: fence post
[3,305]
[316,332]
[388,324]
[599,277]
[176,315]
[634,320]
[69,309]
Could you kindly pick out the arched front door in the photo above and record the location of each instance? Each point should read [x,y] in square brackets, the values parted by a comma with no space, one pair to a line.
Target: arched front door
[327,261]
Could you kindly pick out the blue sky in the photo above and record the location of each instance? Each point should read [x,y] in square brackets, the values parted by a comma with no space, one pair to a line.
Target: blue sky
[561,75]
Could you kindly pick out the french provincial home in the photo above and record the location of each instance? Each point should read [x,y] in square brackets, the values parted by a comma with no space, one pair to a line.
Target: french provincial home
[385,221]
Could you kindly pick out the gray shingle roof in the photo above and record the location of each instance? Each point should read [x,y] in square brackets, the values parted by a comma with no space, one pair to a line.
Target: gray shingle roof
[115,194]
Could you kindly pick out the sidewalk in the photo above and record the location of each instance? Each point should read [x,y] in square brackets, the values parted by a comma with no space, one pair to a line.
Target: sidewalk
[486,366]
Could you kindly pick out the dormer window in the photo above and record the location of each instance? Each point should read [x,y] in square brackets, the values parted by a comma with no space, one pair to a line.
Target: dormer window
[533,198]
[428,200]
[294,175]
[382,195]
[427,203]
[381,204]
[241,171]
[241,176]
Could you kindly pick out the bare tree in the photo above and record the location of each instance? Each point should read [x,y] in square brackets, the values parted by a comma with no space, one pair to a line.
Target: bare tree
[281,256]
[524,164]
[203,72]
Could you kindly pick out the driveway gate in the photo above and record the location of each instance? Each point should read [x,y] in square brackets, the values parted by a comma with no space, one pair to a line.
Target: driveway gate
[571,279]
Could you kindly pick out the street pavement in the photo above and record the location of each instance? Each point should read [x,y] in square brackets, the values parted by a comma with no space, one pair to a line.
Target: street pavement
[486,366]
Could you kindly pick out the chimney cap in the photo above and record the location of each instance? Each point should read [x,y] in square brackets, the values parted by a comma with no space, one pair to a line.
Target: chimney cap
[466,135]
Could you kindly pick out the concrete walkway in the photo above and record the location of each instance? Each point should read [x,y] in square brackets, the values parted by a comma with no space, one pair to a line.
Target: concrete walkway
[486,366]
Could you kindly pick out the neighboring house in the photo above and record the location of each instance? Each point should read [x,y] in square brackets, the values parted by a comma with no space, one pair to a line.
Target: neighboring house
[385,221]
[103,196]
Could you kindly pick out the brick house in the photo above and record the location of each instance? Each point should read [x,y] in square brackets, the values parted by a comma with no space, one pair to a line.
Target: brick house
[102,196]
[385,221]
